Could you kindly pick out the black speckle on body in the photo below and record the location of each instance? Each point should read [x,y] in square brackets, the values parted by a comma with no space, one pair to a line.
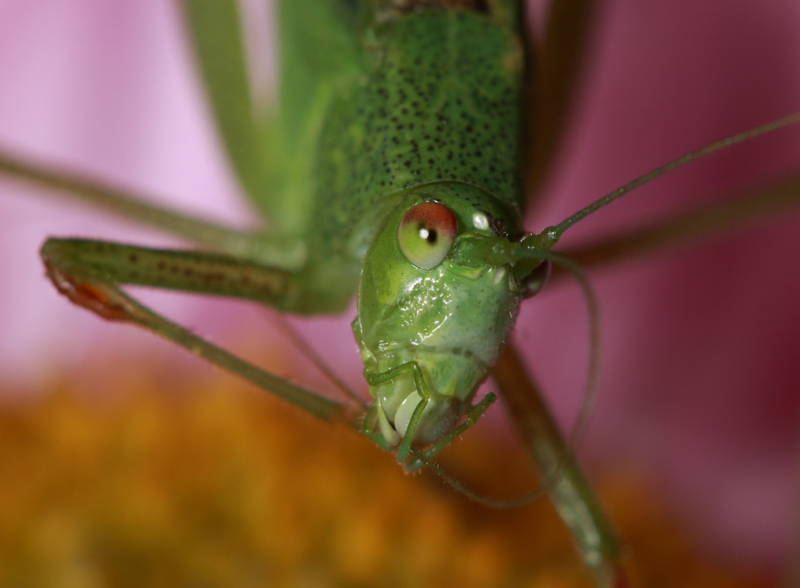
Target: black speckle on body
[442,87]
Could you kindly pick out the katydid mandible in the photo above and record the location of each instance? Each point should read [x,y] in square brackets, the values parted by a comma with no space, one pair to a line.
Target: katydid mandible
[413,417]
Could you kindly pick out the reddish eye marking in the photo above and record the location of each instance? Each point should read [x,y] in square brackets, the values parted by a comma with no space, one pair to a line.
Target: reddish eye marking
[433,216]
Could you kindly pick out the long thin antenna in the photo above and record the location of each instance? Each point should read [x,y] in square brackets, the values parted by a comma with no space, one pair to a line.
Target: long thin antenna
[556,231]
[527,249]
[557,459]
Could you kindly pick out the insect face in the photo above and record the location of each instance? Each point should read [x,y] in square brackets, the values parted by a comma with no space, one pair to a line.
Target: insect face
[424,316]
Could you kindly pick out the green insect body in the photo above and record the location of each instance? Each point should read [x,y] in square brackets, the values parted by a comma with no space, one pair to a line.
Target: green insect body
[399,136]
[430,113]
[452,320]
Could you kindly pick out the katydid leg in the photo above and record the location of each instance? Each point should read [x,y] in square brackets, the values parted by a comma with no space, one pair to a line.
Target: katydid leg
[563,480]
[89,274]
[280,251]
[190,271]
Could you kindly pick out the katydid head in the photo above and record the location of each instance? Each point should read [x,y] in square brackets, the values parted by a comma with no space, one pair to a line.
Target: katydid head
[439,293]
[432,319]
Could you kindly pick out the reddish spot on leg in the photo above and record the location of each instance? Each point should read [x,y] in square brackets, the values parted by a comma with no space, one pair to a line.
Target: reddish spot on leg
[89,296]
[96,300]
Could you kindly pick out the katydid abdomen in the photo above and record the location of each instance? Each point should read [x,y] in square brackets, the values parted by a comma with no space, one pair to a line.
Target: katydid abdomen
[107,150]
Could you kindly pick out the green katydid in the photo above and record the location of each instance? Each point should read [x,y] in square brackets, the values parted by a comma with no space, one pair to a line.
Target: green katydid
[275,282]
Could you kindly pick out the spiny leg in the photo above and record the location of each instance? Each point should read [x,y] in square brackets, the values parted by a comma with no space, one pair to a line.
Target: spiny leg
[89,274]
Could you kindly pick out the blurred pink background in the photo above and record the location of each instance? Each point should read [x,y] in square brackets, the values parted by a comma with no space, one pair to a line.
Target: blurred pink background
[701,378]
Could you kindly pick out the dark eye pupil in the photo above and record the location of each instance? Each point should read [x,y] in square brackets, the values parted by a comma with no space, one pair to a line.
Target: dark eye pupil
[428,235]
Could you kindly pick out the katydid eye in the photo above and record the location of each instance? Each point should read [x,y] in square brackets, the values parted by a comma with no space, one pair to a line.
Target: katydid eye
[426,233]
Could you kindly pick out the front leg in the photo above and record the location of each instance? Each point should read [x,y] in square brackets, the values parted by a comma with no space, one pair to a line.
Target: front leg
[190,271]
[89,274]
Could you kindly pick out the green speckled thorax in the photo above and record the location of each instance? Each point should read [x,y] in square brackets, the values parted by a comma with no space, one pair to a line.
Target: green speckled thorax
[437,98]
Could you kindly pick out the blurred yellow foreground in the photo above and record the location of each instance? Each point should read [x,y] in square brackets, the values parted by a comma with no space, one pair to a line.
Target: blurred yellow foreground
[218,485]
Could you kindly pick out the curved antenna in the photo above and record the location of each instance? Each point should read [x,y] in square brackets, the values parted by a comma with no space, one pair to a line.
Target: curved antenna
[524,251]
[553,233]
[498,503]
[595,345]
